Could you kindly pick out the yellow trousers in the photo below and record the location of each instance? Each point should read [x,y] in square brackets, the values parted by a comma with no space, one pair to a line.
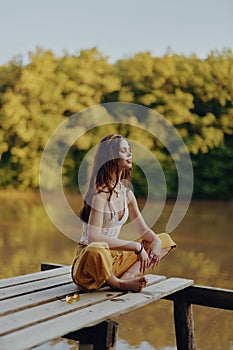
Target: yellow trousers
[95,263]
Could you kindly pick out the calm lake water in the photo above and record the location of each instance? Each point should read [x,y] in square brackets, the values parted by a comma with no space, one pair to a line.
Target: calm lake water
[204,253]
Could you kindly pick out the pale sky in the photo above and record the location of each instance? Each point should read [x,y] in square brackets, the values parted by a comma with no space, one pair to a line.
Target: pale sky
[119,29]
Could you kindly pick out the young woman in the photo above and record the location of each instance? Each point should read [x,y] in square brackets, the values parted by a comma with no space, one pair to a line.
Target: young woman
[102,258]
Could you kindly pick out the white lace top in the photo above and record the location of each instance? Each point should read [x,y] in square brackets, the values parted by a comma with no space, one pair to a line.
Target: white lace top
[111,223]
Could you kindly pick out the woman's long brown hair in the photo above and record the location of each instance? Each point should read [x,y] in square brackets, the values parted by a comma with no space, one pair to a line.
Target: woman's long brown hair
[105,172]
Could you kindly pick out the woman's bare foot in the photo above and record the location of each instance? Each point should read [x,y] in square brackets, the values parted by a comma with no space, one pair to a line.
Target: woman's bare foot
[133,284]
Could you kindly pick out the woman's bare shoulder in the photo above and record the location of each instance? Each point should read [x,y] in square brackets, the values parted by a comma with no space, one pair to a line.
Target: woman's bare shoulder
[130,195]
[99,200]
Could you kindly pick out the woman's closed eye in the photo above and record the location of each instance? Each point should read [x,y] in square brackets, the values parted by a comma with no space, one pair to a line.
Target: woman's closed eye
[125,150]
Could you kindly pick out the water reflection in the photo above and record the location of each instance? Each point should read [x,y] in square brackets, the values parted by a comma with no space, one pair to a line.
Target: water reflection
[204,254]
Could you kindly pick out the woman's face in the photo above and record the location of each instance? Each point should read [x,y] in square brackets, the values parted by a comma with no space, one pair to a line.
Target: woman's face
[125,155]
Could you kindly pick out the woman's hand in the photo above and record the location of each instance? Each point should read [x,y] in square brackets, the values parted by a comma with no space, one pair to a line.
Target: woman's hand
[155,253]
[144,260]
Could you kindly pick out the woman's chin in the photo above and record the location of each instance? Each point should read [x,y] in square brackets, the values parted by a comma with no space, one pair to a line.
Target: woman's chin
[128,167]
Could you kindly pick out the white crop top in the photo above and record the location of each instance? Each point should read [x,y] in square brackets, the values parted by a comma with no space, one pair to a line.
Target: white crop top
[111,223]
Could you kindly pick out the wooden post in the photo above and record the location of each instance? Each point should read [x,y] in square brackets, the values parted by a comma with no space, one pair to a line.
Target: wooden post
[184,326]
[103,336]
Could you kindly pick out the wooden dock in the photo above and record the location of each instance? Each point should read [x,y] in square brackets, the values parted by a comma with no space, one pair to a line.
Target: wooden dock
[34,309]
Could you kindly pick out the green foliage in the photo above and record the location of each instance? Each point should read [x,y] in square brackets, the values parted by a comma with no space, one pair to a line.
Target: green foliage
[214,171]
[46,92]
[194,95]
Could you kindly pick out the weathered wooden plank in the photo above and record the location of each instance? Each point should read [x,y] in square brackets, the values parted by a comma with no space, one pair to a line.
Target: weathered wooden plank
[40,333]
[169,286]
[37,314]
[34,286]
[32,299]
[205,296]
[24,318]
[7,282]
[41,297]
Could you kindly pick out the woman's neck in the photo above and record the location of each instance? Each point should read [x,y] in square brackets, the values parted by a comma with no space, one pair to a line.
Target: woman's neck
[116,186]
[116,179]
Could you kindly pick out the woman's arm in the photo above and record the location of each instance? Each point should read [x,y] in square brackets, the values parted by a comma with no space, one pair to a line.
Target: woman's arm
[145,232]
[95,225]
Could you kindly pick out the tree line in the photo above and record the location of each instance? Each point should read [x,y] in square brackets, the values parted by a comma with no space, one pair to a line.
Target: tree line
[195,95]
